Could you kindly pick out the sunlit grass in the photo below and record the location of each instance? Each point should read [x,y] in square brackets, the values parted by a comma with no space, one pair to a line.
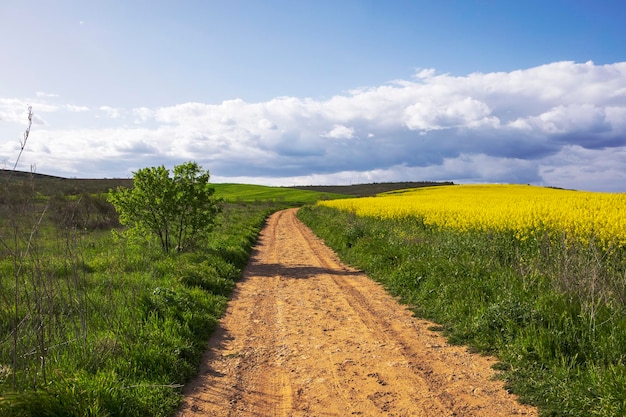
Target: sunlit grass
[109,325]
[551,304]
[251,193]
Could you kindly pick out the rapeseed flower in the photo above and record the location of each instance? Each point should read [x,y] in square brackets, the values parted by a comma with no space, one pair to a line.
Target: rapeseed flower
[528,211]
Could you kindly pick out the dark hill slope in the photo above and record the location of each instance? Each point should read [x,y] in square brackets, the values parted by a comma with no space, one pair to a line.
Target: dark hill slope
[366,190]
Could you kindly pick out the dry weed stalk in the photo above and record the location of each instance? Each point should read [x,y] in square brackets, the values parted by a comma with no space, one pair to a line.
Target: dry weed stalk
[42,305]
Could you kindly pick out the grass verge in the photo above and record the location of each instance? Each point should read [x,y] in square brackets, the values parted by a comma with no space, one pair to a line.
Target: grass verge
[95,325]
[553,314]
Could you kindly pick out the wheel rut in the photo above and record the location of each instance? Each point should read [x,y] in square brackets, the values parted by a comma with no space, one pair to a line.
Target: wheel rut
[305,335]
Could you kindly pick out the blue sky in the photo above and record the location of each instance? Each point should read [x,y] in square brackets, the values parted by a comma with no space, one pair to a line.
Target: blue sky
[319,92]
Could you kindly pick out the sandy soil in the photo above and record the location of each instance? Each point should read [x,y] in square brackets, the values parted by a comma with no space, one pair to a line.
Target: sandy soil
[304,335]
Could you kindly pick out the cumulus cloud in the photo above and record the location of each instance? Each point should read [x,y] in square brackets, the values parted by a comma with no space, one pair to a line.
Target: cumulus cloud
[13,110]
[449,113]
[553,124]
[267,124]
[339,132]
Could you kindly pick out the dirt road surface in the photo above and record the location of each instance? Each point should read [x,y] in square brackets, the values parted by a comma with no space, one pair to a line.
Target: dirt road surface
[305,335]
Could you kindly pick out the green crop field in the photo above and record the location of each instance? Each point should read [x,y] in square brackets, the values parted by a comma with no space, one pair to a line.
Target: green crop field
[96,322]
[252,193]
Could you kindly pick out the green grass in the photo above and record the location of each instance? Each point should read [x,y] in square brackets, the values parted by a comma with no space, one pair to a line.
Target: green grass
[110,326]
[554,314]
[93,323]
[97,323]
[252,193]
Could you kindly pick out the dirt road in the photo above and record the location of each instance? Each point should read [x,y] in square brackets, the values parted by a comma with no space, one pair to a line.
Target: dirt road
[305,335]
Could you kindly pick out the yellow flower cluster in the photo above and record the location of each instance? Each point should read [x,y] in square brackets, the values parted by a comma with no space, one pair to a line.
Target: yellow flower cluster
[526,210]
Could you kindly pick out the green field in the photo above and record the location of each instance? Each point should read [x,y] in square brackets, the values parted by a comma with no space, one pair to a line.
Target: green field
[254,193]
[371,189]
[96,323]
[50,185]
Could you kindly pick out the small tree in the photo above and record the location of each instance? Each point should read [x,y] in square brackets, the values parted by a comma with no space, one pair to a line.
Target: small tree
[178,209]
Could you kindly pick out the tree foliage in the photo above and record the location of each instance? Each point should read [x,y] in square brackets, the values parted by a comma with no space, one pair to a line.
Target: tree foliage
[178,209]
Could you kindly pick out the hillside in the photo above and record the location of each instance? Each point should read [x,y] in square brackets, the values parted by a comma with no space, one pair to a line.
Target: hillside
[253,193]
[52,185]
[366,190]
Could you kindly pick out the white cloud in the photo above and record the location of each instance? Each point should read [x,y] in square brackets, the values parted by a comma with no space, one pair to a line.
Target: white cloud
[339,132]
[267,124]
[563,119]
[521,126]
[13,110]
[452,112]
[111,112]
[425,73]
[590,169]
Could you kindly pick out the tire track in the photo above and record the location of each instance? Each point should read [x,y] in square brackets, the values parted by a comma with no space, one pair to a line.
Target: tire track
[342,279]
[305,335]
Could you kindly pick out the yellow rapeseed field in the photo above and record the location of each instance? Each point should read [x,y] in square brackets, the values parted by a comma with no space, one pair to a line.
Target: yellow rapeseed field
[526,210]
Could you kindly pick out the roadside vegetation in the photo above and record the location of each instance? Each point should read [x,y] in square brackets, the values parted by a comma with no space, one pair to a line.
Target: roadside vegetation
[99,318]
[178,208]
[94,323]
[552,308]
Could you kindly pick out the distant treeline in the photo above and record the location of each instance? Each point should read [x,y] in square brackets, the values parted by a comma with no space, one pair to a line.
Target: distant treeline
[365,190]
